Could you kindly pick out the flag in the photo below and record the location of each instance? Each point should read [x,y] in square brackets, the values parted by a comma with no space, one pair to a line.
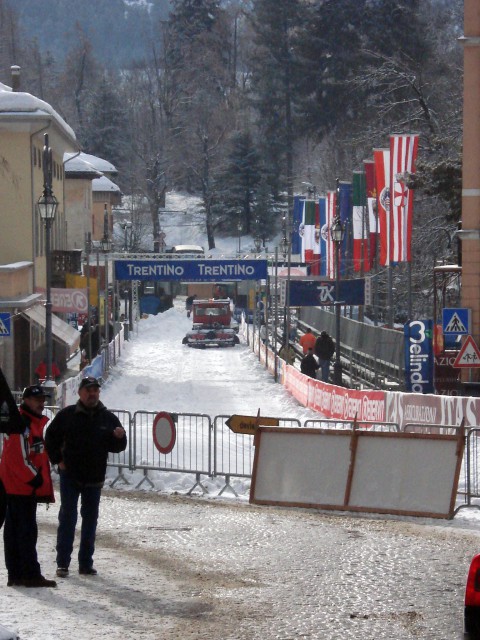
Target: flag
[361,261]
[372,209]
[345,208]
[296,223]
[315,266]
[328,254]
[382,179]
[307,232]
[403,154]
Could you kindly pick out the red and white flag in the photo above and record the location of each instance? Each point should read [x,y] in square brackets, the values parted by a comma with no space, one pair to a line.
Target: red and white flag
[369,166]
[315,266]
[382,179]
[331,211]
[403,154]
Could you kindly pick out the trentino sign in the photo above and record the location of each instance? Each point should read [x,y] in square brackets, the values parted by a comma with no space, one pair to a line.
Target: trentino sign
[191,270]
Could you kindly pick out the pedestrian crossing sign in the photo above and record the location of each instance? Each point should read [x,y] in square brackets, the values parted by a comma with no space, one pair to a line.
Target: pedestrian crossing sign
[456,322]
[4,325]
[469,355]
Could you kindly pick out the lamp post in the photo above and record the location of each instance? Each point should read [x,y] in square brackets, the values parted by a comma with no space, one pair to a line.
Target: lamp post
[126,225]
[239,228]
[337,232]
[284,247]
[106,246]
[47,208]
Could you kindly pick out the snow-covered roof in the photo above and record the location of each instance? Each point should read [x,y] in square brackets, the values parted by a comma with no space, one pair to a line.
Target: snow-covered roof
[75,164]
[17,104]
[104,184]
[99,163]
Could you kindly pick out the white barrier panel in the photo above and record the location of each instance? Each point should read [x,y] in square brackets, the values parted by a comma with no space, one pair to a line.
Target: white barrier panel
[380,472]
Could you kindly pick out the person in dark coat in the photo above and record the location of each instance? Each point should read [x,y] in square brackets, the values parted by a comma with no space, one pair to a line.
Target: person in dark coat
[25,474]
[189,304]
[309,364]
[324,350]
[78,440]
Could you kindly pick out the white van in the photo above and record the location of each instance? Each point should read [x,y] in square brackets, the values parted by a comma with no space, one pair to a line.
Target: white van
[189,249]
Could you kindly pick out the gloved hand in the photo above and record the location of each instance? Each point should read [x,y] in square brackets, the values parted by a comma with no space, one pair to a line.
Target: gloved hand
[37,481]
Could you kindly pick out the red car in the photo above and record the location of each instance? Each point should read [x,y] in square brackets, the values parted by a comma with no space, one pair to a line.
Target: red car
[472,600]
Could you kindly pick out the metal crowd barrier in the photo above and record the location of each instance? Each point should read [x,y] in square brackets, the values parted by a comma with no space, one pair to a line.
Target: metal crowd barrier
[233,452]
[470,484]
[212,449]
[331,423]
[190,454]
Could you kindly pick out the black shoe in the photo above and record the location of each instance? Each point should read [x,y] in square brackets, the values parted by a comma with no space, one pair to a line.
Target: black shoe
[14,582]
[62,572]
[38,581]
[87,571]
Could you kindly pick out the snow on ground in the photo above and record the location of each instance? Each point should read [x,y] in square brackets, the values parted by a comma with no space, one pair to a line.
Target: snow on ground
[139,587]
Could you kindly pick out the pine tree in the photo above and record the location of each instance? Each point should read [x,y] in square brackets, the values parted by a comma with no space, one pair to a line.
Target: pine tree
[238,183]
[274,81]
[106,128]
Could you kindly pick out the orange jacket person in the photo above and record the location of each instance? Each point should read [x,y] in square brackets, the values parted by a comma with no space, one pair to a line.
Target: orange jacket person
[25,473]
[307,341]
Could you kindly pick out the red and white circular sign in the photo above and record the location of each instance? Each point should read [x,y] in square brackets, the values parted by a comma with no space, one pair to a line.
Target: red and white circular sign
[164,432]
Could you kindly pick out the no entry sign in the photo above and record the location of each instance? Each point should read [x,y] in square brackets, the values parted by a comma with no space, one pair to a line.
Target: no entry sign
[164,432]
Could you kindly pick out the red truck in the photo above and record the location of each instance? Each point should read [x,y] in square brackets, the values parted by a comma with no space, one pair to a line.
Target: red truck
[212,325]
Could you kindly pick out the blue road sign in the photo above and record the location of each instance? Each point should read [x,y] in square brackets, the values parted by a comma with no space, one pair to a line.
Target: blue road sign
[4,325]
[456,322]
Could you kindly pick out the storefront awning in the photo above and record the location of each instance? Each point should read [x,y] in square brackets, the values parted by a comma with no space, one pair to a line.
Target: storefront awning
[61,330]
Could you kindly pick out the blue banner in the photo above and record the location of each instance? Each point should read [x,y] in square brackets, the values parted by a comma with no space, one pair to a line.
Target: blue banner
[419,356]
[316,293]
[191,270]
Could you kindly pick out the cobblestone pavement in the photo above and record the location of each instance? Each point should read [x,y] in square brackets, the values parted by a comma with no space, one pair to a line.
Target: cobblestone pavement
[175,568]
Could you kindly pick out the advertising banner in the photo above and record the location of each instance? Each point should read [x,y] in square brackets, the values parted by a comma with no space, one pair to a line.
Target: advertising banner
[419,356]
[191,270]
[315,293]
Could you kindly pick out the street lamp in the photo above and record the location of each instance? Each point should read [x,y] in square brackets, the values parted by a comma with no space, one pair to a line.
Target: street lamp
[47,208]
[337,232]
[126,225]
[239,228]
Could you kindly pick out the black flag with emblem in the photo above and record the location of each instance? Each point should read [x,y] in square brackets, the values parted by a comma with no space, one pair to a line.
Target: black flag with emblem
[10,418]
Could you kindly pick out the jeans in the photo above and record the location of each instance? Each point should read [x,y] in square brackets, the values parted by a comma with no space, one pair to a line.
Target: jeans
[325,368]
[70,491]
[20,533]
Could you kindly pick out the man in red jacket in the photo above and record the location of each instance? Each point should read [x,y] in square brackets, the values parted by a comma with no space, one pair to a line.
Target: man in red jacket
[25,473]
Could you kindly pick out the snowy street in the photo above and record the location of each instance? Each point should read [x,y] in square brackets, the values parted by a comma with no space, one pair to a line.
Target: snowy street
[172,567]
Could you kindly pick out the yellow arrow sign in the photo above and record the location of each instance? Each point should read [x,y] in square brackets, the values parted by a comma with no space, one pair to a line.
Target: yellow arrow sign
[248,424]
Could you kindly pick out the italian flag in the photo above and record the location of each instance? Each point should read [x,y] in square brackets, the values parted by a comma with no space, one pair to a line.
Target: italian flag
[360,223]
[372,208]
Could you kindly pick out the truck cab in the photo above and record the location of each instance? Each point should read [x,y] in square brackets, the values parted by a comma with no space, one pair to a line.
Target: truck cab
[212,325]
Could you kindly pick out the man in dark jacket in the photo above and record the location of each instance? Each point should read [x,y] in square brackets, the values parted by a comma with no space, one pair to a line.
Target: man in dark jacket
[25,473]
[309,364]
[324,350]
[78,440]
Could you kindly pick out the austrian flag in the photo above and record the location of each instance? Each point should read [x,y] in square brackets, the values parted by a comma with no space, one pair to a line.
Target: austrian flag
[403,154]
